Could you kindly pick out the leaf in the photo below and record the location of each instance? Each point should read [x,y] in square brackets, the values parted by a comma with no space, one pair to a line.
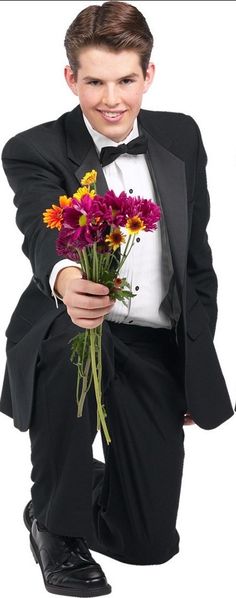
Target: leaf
[78,349]
[119,294]
[107,277]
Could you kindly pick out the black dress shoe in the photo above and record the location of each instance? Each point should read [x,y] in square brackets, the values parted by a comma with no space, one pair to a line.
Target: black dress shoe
[67,565]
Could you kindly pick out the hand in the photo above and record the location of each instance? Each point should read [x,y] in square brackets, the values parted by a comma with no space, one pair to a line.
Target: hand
[188,420]
[87,302]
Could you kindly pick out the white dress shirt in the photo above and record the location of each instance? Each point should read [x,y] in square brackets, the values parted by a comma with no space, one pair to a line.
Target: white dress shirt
[148,267]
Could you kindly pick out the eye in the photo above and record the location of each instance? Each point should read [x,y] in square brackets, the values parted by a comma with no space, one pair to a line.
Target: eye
[127,81]
[94,83]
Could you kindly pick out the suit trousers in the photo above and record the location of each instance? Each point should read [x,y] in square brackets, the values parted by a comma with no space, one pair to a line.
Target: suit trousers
[126,507]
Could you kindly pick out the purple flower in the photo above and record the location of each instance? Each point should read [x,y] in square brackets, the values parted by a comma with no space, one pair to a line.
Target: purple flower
[111,208]
[65,247]
[77,215]
[150,213]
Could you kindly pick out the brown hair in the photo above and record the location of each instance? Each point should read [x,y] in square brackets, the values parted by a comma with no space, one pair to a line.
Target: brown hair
[116,25]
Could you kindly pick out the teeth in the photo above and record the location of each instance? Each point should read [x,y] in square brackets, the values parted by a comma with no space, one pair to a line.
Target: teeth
[111,114]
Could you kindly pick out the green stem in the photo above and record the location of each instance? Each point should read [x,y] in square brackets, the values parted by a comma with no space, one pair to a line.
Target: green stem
[99,333]
[120,263]
[95,343]
[107,260]
[125,254]
[81,260]
[99,361]
[95,263]
[80,401]
[86,263]
[97,386]
[84,345]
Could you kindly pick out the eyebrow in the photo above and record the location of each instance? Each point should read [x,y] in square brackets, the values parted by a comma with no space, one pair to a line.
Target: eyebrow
[131,75]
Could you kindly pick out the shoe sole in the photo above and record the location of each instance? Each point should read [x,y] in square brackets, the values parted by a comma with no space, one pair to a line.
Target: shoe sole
[83,593]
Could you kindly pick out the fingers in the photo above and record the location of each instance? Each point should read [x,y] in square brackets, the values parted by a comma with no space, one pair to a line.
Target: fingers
[86,294]
[82,285]
[87,302]
[83,301]
[78,312]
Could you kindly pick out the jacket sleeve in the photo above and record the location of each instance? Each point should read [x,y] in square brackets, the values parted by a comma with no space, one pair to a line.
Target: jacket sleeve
[200,264]
[37,185]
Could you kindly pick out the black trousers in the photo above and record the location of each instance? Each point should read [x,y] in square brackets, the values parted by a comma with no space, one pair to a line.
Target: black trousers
[126,507]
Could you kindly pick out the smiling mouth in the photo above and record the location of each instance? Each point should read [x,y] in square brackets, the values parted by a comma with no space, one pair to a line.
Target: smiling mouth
[111,114]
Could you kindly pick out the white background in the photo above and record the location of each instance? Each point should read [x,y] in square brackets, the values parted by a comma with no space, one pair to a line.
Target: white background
[194,52]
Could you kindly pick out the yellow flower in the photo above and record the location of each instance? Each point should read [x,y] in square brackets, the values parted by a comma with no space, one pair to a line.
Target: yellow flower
[89,178]
[81,191]
[134,225]
[115,239]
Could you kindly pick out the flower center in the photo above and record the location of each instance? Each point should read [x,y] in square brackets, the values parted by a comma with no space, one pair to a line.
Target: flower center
[83,220]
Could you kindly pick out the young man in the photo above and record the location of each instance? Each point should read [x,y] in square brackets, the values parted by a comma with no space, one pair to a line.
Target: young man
[160,368]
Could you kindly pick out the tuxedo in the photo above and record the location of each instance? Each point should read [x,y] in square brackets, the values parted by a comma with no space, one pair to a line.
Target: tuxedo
[49,160]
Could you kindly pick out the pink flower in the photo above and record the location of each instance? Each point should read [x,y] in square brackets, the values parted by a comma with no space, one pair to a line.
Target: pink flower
[112,207]
[150,214]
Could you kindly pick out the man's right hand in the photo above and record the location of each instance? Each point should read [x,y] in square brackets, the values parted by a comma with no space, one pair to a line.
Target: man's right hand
[87,302]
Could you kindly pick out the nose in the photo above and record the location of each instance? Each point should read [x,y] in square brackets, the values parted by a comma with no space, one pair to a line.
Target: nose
[111,96]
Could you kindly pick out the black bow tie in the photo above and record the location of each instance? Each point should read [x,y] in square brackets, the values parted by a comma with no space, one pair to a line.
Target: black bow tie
[136,146]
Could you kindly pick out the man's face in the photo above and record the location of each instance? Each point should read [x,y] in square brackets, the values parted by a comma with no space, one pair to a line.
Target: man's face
[110,87]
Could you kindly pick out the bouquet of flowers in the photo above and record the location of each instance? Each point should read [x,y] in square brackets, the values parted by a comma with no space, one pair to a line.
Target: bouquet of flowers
[89,233]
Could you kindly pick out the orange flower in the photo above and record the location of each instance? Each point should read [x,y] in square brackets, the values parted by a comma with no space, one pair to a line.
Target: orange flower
[64,201]
[53,217]
[115,239]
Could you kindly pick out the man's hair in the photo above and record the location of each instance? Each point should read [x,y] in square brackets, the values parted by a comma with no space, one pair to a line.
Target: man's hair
[114,25]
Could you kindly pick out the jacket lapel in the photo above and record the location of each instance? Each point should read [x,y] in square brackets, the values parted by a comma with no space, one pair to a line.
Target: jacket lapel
[91,162]
[81,149]
[168,176]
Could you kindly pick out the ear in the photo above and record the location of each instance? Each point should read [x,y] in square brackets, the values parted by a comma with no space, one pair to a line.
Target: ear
[150,72]
[70,79]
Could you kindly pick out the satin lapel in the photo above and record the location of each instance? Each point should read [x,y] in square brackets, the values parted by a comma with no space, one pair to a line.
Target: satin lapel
[168,175]
[81,149]
[91,162]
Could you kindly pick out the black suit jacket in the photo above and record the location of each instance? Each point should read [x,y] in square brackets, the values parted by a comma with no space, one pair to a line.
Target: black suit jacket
[49,160]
